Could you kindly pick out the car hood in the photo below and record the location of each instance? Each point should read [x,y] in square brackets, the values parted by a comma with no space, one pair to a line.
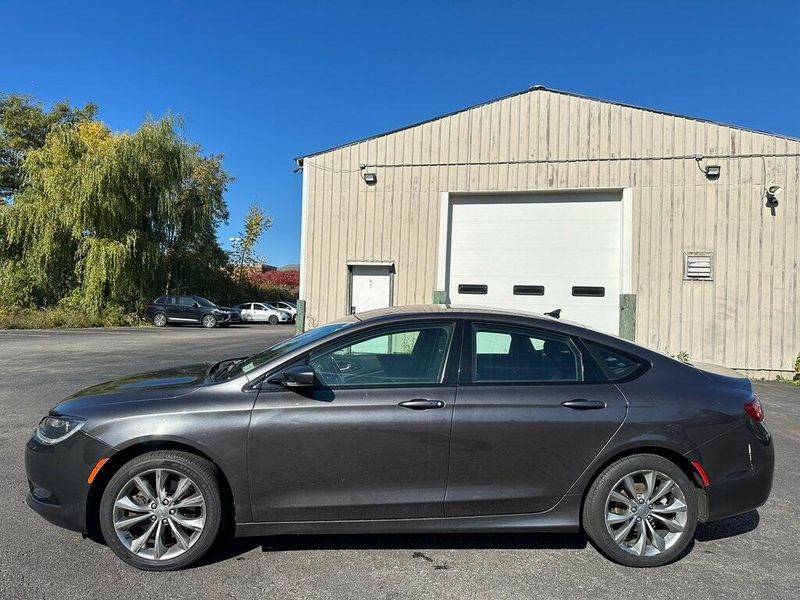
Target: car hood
[154,385]
[228,308]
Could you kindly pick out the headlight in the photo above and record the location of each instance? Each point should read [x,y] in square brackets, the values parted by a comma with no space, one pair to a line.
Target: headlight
[52,430]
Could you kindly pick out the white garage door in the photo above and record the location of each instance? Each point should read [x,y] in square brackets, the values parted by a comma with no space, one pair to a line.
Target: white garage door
[538,253]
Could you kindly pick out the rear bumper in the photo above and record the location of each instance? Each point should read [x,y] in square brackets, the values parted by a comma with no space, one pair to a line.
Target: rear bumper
[57,486]
[740,466]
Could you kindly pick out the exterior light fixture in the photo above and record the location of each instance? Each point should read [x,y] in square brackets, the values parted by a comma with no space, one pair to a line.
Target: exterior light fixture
[711,172]
[369,178]
[771,194]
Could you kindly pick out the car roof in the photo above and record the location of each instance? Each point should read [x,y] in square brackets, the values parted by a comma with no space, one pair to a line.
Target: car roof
[453,310]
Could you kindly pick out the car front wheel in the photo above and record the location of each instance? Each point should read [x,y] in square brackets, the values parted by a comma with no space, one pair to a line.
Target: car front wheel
[162,510]
[209,321]
[641,511]
[273,320]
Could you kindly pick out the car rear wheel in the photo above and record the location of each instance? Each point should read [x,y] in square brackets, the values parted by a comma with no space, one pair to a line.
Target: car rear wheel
[641,511]
[160,320]
[273,320]
[162,510]
[209,321]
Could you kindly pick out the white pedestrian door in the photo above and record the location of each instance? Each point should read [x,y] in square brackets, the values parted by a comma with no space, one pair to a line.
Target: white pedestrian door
[538,253]
[370,287]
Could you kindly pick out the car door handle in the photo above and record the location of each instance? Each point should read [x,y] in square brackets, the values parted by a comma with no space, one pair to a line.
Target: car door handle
[421,404]
[581,404]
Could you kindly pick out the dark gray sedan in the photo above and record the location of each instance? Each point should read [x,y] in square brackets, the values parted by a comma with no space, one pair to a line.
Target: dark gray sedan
[420,419]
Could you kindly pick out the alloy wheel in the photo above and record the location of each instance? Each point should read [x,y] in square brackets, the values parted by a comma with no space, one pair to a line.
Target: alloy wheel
[209,321]
[160,320]
[159,514]
[646,513]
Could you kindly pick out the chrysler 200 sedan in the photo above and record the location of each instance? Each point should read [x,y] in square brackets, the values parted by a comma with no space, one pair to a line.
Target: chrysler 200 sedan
[426,419]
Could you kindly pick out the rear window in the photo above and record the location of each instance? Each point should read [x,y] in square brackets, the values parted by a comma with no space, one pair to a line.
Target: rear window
[614,364]
[160,300]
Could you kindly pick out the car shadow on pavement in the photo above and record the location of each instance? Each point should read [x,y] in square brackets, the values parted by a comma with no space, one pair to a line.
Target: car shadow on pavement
[232,548]
[730,527]
[410,541]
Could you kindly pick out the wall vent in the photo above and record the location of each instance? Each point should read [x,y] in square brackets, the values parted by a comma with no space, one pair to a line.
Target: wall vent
[698,266]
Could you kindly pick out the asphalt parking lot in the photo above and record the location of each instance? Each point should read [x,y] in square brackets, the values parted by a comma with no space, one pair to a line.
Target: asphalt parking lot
[754,555]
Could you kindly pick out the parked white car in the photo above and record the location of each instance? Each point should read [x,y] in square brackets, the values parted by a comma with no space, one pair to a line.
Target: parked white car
[289,307]
[261,312]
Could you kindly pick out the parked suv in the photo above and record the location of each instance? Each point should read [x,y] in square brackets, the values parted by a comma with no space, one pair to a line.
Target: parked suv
[190,309]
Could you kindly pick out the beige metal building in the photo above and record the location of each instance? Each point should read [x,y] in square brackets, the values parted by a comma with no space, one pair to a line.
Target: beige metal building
[645,224]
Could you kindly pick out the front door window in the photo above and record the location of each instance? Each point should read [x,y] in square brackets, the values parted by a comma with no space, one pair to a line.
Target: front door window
[409,356]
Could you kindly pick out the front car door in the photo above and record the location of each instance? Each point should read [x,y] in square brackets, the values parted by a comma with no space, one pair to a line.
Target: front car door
[370,440]
[190,309]
[261,313]
[527,421]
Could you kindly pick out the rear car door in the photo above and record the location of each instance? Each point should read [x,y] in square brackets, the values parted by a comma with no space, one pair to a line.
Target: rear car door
[173,309]
[245,312]
[527,420]
[370,441]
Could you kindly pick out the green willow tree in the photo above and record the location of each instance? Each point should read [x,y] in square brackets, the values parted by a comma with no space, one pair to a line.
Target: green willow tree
[105,219]
[24,125]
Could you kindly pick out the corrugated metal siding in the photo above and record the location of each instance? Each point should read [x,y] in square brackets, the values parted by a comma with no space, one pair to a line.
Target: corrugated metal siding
[746,318]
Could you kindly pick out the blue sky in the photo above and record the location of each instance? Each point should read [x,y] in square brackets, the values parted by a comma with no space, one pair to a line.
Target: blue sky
[263,82]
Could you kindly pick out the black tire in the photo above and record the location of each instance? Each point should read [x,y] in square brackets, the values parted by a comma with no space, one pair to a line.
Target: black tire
[160,319]
[595,509]
[273,320]
[205,477]
[209,321]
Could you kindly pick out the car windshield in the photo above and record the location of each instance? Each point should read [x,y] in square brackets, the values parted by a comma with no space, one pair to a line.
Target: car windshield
[203,301]
[286,346]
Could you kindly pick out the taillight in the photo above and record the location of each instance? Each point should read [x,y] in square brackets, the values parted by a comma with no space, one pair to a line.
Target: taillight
[754,409]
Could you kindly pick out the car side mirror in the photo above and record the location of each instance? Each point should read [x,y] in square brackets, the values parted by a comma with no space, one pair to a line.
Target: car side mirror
[298,376]
[195,305]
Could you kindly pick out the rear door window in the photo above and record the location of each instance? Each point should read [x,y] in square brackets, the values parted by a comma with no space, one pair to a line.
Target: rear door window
[509,355]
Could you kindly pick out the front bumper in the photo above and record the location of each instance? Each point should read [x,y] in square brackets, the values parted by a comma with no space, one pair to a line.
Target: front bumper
[740,466]
[57,478]
[227,318]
